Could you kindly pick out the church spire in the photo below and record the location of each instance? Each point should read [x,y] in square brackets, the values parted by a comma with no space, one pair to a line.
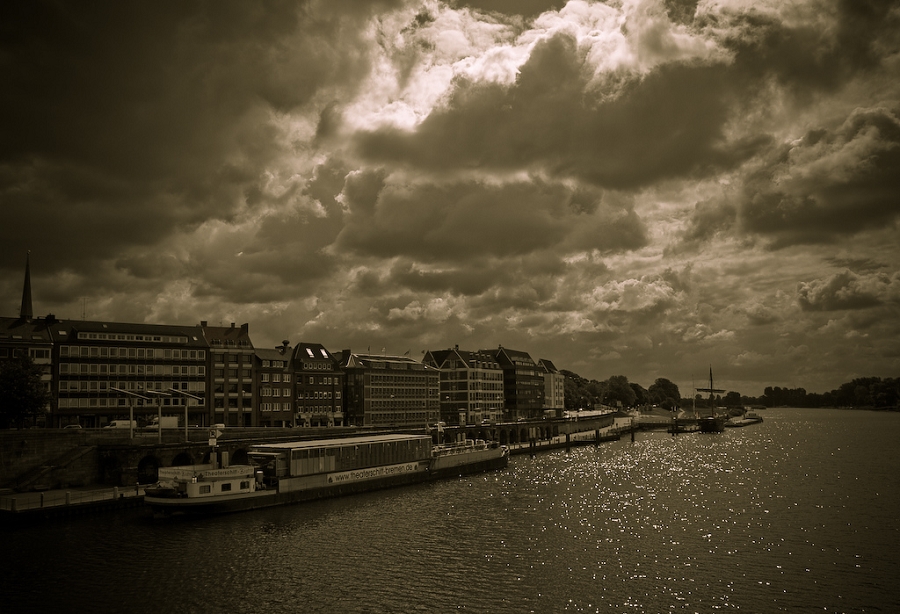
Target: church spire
[27,313]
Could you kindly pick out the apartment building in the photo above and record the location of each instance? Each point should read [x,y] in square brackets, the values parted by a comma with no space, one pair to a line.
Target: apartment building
[471,385]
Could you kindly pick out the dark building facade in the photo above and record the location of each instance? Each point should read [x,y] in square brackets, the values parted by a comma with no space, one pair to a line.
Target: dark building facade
[523,383]
[233,390]
[99,363]
[318,386]
[471,385]
[274,386]
[389,391]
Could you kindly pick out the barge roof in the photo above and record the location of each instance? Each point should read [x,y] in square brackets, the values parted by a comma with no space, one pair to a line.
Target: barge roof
[339,442]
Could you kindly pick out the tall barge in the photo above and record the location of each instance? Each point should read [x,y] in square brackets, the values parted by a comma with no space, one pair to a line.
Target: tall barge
[285,473]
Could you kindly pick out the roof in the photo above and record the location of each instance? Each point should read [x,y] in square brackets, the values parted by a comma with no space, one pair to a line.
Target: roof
[480,359]
[193,334]
[548,366]
[272,354]
[339,442]
[227,336]
[311,351]
[382,361]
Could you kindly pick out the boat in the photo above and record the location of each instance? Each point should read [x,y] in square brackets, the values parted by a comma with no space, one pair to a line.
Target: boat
[291,472]
[713,423]
[745,420]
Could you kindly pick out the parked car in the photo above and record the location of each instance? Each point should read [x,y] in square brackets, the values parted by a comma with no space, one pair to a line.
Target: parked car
[72,426]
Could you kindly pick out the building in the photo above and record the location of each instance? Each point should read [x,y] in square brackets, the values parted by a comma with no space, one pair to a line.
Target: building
[554,389]
[232,391]
[471,385]
[389,391]
[274,386]
[32,337]
[103,366]
[523,383]
[318,386]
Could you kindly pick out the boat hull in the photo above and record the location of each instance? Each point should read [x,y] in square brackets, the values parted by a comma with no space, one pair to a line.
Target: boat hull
[711,425]
[326,486]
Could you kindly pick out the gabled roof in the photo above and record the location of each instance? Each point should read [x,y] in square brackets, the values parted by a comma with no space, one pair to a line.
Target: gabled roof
[547,365]
[508,357]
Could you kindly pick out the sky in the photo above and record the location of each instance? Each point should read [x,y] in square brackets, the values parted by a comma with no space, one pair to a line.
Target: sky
[644,188]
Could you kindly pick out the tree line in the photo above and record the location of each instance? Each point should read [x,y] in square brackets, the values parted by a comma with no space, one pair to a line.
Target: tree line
[617,391]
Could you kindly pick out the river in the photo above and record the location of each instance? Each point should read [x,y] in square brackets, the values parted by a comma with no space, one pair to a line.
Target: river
[798,514]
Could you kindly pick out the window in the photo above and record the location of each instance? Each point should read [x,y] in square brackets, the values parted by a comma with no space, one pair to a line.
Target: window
[276,377]
[204,489]
[226,486]
[265,377]
[287,378]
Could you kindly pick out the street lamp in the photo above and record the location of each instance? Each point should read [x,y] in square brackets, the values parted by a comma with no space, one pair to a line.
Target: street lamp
[159,394]
[130,396]
[189,396]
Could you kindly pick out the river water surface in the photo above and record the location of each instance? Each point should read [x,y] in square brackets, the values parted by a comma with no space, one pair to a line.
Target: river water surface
[798,514]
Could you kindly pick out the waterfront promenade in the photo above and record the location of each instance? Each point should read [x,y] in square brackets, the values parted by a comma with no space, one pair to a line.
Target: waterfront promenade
[73,501]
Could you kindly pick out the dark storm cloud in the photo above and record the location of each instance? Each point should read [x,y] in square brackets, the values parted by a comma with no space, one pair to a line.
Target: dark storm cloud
[830,183]
[664,124]
[847,290]
[465,221]
[122,121]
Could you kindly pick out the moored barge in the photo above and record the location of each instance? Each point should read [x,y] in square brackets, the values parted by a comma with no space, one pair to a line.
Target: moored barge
[284,473]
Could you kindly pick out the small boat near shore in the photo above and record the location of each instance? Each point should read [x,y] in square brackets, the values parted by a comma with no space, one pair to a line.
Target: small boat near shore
[291,472]
[745,420]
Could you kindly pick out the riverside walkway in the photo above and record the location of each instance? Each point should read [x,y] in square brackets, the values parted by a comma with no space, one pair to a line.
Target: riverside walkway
[75,501]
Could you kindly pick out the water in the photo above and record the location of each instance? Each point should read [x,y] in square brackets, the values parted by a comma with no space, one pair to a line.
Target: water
[796,514]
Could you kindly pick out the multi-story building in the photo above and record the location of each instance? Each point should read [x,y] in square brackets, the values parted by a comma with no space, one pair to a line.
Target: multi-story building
[523,383]
[318,386]
[471,385]
[100,363]
[394,391]
[232,391]
[554,388]
[274,386]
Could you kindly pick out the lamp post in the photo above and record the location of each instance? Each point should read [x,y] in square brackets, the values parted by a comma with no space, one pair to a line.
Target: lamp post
[188,395]
[131,396]
[159,394]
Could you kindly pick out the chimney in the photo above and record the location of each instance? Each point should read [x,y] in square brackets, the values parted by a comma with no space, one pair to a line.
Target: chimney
[232,325]
[203,323]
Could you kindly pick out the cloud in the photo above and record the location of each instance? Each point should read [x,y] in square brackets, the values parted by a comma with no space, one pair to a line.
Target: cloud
[847,290]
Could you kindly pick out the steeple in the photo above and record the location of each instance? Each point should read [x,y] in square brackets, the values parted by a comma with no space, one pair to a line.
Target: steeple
[26,312]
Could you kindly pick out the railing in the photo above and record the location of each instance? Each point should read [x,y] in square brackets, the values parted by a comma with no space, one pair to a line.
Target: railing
[56,498]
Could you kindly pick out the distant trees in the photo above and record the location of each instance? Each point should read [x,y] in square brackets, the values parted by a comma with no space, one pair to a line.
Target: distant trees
[872,392]
[22,393]
[665,393]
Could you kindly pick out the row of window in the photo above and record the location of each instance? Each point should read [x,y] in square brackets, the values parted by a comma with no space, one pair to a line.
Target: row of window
[274,392]
[75,351]
[127,337]
[73,403]
[195,388]
[82,368]
[317,409]
[316,394]
[276,377]
[273,363]
[275,407]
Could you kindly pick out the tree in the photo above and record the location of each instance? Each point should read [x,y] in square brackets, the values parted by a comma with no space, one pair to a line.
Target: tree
[22,393]
[618,389]
[665,392]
